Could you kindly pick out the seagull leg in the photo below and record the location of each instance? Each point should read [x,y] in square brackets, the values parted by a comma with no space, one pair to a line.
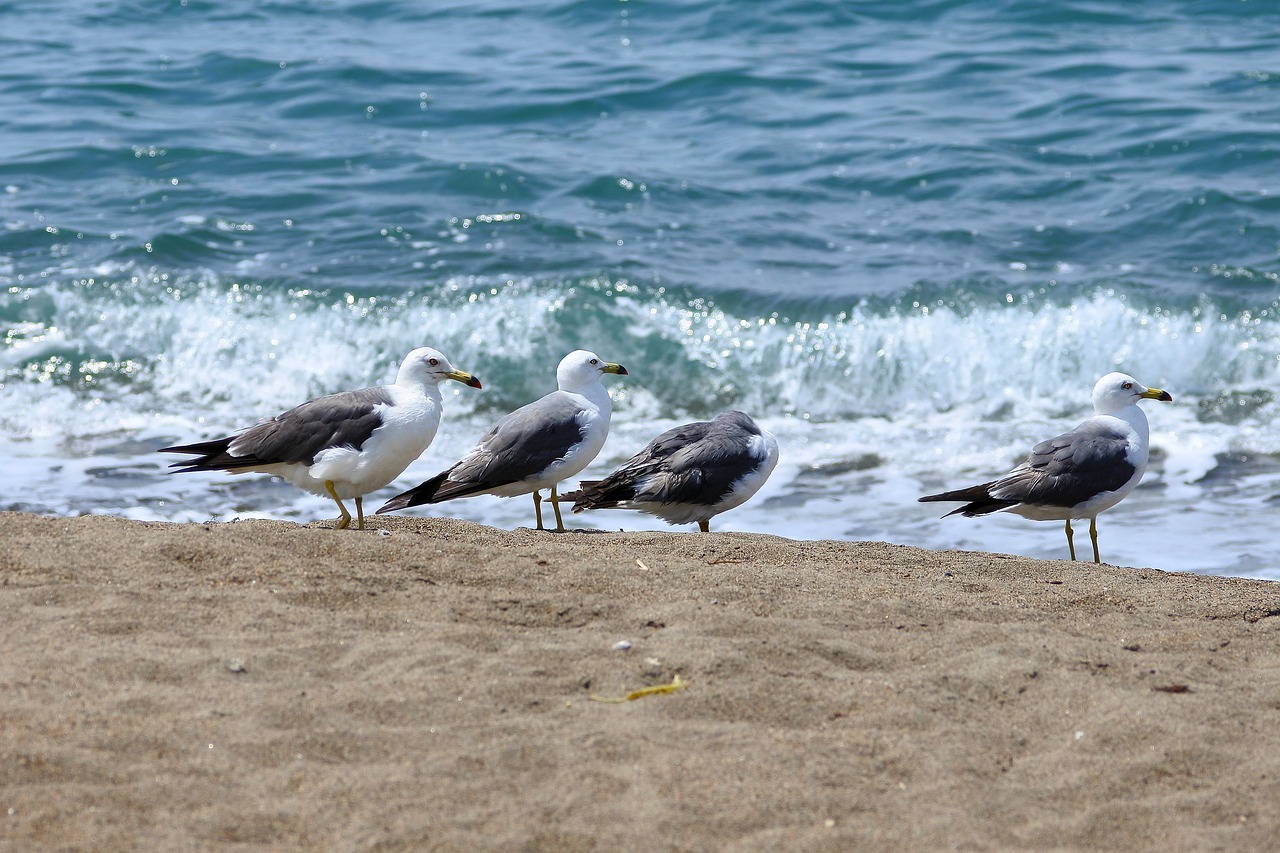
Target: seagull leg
[345,521]
[555,505]
[704,526]
[1093,534]
[1070,543]
[537,508]
[360,512]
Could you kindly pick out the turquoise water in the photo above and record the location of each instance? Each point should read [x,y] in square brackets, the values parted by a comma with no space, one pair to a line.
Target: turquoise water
[907,237]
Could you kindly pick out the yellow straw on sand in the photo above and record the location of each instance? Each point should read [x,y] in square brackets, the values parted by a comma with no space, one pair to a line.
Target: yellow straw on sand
[676,684]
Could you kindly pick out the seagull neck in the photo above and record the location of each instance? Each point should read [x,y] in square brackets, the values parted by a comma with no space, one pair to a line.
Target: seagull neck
[595,393]
[411,385]
[1136,418]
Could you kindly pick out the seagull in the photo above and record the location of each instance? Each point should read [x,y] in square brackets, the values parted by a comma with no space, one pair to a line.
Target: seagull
[1079,473]
[689,473]
[344,445]
[534,447]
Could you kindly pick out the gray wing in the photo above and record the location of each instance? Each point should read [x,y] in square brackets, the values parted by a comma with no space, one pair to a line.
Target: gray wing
[697,463]
[624,484]
[346,419]
[523,444]
[1069,469]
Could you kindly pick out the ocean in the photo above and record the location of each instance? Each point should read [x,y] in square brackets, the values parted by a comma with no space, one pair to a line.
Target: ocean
[906,236]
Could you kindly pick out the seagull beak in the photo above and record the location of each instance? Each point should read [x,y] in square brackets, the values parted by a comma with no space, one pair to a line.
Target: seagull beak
[465,378]
[1156,394]
[610,367]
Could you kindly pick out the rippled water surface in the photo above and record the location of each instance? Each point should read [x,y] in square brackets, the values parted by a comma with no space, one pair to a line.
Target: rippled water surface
[907,237]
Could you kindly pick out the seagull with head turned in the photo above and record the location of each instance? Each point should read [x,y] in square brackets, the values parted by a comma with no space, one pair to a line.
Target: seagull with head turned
[533,448]
[344,445]
[689,473]
[1080,473]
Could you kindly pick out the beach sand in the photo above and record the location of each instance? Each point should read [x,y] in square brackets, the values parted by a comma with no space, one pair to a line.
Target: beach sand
[428,685]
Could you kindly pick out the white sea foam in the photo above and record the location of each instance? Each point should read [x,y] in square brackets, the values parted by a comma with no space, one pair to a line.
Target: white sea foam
[871,408]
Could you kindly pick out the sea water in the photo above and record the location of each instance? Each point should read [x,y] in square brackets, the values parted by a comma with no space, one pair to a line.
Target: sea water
[907,237]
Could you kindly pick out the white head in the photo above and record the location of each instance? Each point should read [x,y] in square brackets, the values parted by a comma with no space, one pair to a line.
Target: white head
[428,367]
[581,368]
[1117,391]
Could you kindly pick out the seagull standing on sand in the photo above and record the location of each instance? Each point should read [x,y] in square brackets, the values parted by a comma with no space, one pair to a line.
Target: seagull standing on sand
[344,445]
[1080,473]
[534,447]
[689,473]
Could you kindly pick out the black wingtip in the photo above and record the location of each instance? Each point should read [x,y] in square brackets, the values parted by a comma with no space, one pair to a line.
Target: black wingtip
[193,449]
[977,501]
[401,501]
[417,496]
[210,456]
[582,497]
[943,496]
[398,502]
[931,498]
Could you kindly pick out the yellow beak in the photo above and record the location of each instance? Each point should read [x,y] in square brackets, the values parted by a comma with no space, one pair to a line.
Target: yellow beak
[465,378]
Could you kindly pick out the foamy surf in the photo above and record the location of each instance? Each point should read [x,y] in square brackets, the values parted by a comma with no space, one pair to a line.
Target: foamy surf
[872,406]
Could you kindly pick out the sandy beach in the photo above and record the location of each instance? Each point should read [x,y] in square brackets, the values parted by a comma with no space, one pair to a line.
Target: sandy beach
[432,685]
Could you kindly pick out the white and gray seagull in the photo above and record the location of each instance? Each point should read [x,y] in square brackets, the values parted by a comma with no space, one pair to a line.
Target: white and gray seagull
[343,445]
[533,448]
[689,473]
[1080,473]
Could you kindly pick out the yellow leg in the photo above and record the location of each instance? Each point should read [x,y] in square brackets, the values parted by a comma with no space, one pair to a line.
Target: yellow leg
[704,526]
[345,521]
[360,513]
[1093,534]
[1070,544]
[555,505]
[537,507]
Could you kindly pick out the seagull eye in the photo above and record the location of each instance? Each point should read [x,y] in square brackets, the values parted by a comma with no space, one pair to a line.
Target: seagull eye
[433,361]
[1126,386]
[595,361]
